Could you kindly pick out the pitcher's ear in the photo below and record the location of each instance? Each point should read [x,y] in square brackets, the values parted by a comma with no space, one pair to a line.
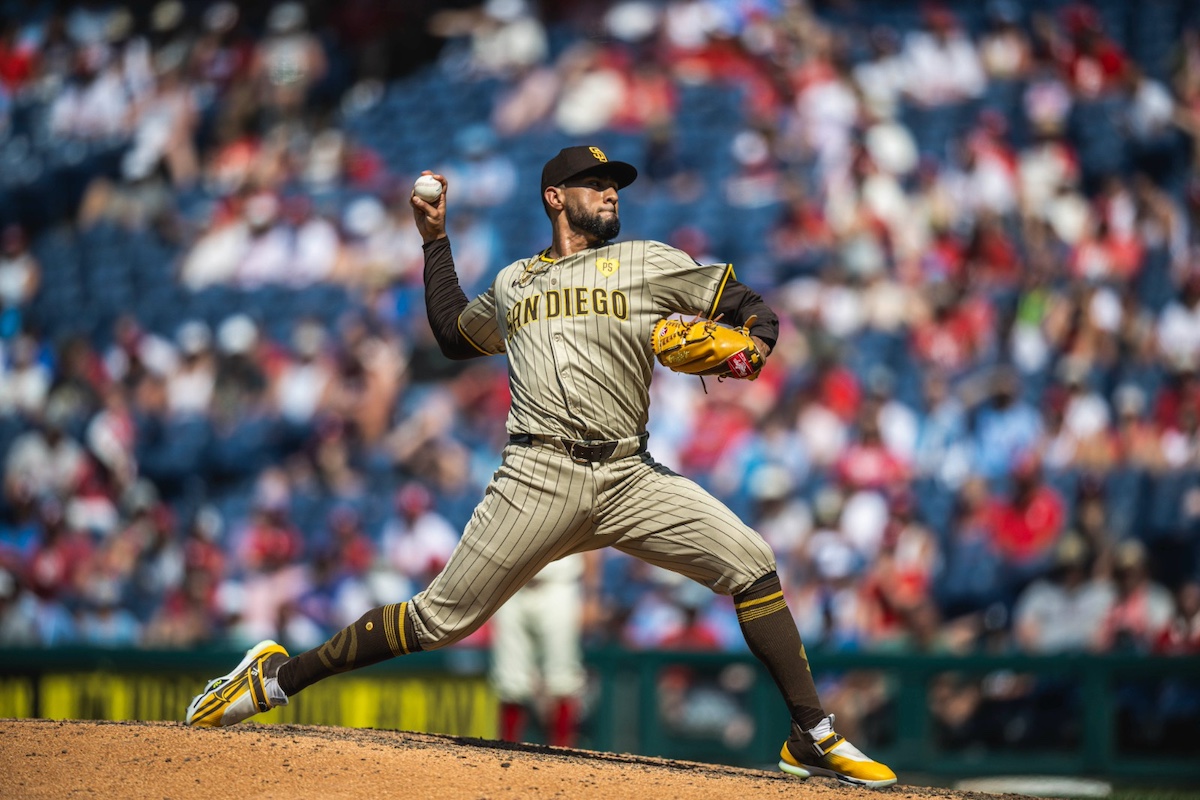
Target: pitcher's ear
[554,197]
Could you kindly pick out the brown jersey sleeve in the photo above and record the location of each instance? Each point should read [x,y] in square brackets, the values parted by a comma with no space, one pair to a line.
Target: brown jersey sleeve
[738,301]
[445,301]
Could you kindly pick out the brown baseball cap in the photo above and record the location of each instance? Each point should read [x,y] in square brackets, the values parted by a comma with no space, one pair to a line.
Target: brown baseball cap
[572,161]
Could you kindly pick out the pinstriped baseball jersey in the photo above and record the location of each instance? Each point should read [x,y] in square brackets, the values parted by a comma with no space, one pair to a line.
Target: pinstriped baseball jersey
[577,335]
[577,332]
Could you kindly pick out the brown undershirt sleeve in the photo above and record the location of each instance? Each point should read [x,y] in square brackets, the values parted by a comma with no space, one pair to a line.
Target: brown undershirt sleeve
[445,300]
[738,301]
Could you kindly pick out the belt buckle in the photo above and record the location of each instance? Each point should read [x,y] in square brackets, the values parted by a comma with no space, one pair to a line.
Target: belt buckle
[578,451]
[584,451]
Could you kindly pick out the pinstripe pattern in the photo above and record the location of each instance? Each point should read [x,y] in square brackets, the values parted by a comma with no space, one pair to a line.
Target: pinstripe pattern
[587,375]
[536,510]
[669,521]
[577,335]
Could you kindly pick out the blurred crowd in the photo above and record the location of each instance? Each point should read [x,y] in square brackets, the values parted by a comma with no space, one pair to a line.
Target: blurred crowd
[980,430]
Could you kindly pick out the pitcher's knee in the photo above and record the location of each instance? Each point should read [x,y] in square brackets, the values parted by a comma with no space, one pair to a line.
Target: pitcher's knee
[435,633]
[752,572]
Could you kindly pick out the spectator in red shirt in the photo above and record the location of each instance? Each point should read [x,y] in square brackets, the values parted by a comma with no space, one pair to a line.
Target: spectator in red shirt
[16,60]
[60,565]
[188,616]
[838,388]
[650,97]
[992,255]
[896,586]
[354,549]
[1182,634]
[1093,61]
[200,549]
[801,236]
[1026,524]
[1103,254]
[271,541]
[947,338]
[1178,401]
[868,463]
[695,633]
[726,424]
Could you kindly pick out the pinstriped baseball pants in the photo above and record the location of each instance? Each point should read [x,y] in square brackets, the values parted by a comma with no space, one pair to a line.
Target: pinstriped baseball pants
[541,506]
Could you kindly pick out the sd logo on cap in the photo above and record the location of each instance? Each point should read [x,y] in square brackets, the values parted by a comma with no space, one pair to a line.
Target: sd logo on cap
[573,161]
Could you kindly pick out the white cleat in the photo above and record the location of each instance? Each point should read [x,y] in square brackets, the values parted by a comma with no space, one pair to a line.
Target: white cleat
[249,689]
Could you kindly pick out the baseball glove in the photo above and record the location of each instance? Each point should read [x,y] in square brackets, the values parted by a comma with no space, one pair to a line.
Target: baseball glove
[702,347]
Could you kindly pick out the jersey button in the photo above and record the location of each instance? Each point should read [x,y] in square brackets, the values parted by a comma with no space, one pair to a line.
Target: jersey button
[558,337]
[554,281]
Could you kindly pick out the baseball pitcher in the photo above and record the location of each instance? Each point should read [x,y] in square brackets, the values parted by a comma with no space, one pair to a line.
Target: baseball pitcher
[582,323]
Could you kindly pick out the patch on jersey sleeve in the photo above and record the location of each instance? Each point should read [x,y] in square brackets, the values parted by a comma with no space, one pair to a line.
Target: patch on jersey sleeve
[607,266]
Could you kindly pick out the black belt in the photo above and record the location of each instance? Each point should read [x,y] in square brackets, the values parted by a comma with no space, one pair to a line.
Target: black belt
[581,451]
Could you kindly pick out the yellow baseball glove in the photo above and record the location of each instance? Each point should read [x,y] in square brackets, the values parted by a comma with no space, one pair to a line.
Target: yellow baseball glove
[704,347]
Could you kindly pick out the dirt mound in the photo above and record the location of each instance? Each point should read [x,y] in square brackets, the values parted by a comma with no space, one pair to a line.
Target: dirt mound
[49,758]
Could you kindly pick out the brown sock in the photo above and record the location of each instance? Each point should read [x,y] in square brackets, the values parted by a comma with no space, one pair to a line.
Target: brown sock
[378,635]
[772,637]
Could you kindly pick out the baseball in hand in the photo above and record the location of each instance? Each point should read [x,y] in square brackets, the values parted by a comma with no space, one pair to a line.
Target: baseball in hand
[428,188]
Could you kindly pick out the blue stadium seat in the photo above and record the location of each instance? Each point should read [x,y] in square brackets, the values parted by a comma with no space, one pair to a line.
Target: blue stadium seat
[161,308]
[1094,127]
[176,453]
[214,303]
[1123,490]
[935,504]
[325,301]
[1154,29]
[244,450]
[11,427]
[1164,517]
[1154,285]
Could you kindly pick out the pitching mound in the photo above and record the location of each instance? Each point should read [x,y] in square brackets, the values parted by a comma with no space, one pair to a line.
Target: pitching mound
[45,758]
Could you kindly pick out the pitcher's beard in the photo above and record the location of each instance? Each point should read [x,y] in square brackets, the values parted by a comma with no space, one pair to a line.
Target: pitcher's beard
[599,226]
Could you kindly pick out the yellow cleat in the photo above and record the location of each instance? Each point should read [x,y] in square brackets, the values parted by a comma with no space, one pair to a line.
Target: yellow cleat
[249,689]
[832,756]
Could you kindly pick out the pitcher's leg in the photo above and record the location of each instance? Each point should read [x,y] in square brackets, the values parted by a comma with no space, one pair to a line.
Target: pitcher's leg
[671,522]
[532,513]
[381,633]
[536,511]
[665,519]
[697,535]
[771,634]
